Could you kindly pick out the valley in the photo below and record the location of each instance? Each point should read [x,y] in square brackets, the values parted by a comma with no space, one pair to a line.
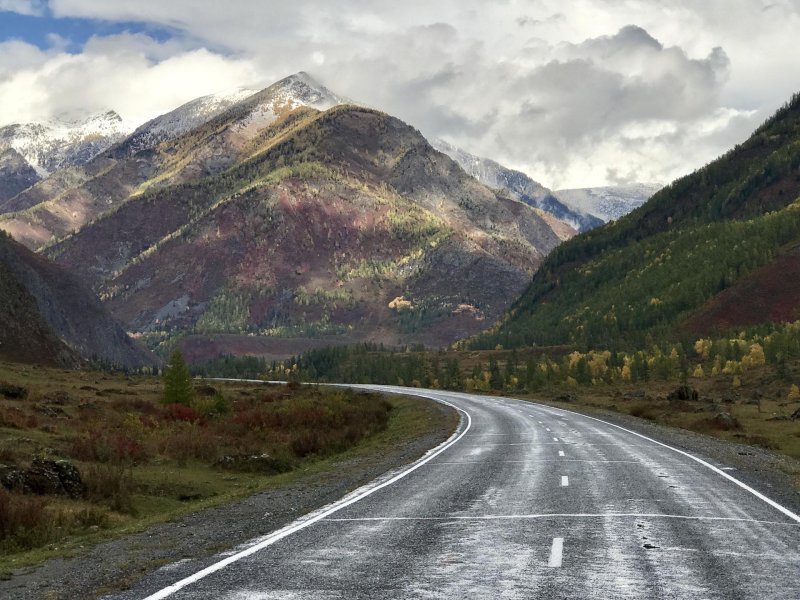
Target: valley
[484,303]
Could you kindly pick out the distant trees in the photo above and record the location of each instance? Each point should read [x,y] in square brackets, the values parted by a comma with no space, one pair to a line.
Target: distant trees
[177,381]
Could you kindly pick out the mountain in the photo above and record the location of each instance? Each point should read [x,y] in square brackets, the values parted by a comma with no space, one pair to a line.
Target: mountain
[46,147]
[715,250]
[74,196]
[518,185]
[47,316]
[15,174]
[608,203]
[280,219]
[296,90]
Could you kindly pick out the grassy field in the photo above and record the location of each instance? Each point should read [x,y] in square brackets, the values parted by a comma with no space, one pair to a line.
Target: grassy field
[144,462]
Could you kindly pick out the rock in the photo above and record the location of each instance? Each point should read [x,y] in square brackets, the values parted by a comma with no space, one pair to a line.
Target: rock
[634,395]
[257,463]
[51,410]
[44,476]
[12,478]
[726,421]
[13,392]
[730,397]
[683,392]
[70,478]
[206,391]
[59,397]
[568,397]
[795,415]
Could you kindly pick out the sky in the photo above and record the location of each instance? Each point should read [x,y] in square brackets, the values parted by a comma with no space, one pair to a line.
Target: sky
[576,94]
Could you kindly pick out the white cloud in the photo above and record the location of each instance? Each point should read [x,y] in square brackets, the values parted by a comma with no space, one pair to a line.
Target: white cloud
[23,7]
[577,93]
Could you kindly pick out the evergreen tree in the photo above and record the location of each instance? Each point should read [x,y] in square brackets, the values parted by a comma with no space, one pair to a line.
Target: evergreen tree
[177,381]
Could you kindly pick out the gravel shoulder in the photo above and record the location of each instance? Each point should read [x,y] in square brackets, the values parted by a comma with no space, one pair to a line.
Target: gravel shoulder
[777,476]
[116,564]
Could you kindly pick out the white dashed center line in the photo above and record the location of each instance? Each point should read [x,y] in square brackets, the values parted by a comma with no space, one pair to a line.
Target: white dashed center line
[555,439]
[561,453]
[547,429]
[564,481]
[556,553]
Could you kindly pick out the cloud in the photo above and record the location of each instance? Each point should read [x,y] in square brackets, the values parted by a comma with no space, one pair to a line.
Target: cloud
[23,7]
[575,94]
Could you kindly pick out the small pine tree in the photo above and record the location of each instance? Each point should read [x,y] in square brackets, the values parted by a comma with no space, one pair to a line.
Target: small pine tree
[177,381]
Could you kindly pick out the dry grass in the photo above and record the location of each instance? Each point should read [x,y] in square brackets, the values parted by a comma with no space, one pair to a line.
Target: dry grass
[141,460]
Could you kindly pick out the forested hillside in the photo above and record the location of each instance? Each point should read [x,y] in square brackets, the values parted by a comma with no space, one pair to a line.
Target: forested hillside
[642,277]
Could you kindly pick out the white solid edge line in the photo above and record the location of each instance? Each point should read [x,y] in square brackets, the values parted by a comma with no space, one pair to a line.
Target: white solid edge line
[716,470]
[556,552]
[321,514]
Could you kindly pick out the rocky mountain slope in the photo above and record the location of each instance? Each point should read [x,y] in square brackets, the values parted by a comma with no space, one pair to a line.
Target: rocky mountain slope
[714,250]
[39,149]
[284,220]
[75,196]
[519,186]
[608,203]
[47,316]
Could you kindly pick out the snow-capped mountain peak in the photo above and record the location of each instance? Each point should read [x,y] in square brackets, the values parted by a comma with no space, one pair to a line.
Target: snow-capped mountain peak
[60,142]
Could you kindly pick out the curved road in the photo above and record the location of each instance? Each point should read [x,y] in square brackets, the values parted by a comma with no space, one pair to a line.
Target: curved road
[524,501]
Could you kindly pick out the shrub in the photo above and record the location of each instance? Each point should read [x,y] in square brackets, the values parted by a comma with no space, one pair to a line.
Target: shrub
[212,406]
[23,523]
[112,484]
[108,446]
[181,412]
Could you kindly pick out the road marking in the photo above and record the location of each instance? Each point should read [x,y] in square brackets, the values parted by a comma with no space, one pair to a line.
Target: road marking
[320,514]
[555,439]
[718,471]
[539,422]
[532,461]
[547,429]
[563,516]
[556,552]
[564,481]
[561,453]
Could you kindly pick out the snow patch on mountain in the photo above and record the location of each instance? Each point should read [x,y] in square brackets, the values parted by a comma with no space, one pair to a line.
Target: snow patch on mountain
[57,143]
[287,94]
[517,184]
[609,203]
[184,118]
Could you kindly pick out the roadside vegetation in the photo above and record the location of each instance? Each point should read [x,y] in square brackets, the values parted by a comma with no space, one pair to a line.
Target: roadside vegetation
[88,455]
[744,387]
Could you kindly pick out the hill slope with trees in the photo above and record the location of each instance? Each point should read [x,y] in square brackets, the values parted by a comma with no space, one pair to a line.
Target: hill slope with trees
[647,275]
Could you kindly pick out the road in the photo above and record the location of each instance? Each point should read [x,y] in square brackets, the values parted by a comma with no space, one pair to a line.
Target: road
[524,501]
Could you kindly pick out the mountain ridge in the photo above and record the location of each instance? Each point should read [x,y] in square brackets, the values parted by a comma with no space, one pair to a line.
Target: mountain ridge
[654,272]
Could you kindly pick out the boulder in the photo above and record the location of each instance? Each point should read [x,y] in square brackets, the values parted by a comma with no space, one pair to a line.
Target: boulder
[44,476]
[683,392]
[12,478]
[13,392]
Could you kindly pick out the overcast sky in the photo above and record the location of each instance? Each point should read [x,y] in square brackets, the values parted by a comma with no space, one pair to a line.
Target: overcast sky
[578,93]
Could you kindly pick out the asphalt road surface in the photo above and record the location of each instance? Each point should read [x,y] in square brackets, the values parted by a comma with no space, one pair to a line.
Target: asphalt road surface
[524,501]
